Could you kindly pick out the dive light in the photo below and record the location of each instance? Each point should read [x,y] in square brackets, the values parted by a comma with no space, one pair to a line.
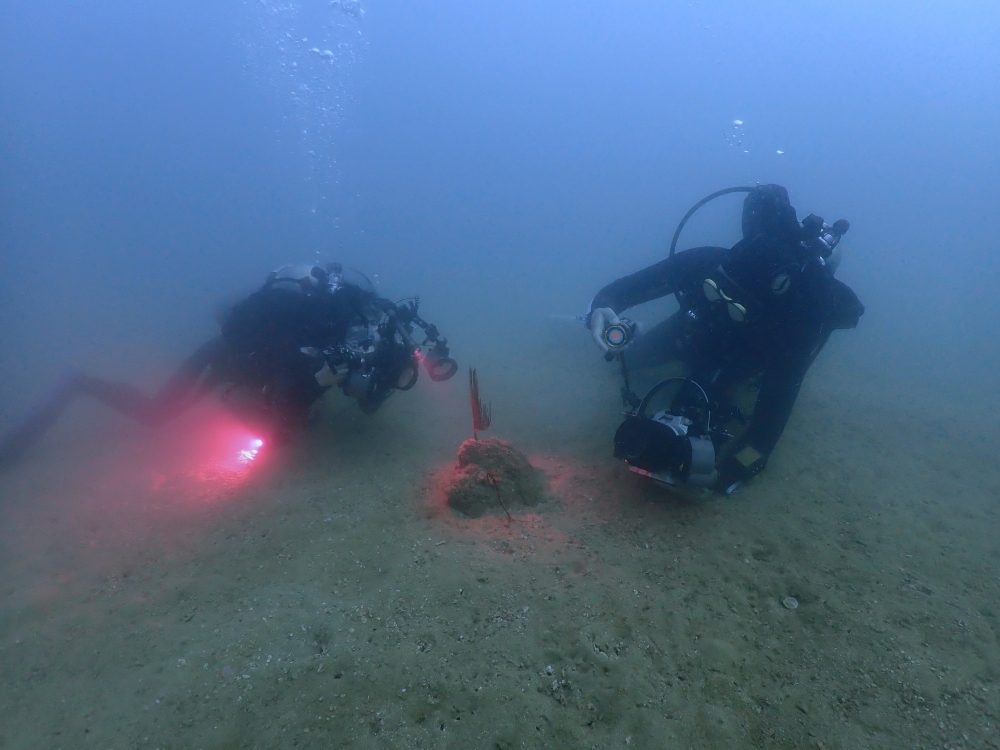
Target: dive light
[619,335]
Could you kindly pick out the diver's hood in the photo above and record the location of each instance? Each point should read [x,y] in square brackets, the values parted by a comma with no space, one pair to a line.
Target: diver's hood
[767,210]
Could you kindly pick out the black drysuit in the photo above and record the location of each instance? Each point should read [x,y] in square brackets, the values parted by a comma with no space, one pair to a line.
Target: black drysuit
[264,337]
[792,301]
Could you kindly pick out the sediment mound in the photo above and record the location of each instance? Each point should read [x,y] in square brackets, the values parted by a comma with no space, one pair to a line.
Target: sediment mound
[489,471]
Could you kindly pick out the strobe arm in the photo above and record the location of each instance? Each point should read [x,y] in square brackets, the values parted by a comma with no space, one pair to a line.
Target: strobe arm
[437,360]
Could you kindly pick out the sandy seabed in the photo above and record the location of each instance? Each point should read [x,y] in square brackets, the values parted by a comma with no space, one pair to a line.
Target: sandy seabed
[319,596]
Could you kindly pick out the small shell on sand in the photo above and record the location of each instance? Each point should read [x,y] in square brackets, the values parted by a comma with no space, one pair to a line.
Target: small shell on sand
[790,602]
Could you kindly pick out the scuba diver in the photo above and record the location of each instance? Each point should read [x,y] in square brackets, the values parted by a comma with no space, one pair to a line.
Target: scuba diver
[757,313]
[305,330]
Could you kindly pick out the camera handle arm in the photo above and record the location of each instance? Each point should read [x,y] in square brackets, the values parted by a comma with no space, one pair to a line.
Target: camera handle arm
[438,361]
[630,401]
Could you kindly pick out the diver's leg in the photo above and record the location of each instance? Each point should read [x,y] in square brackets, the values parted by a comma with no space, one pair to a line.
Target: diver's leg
[198,375]
[30,429]
[121,397]
[39,420]
[659,344]
[192,380]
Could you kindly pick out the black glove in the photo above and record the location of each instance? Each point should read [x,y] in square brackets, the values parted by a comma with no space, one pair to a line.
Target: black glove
[742,464]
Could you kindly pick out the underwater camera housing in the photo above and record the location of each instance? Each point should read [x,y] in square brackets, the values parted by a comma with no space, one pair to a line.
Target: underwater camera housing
[380,354]
[675,446]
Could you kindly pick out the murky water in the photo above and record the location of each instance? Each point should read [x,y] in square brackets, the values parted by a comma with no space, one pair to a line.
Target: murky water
[198,587]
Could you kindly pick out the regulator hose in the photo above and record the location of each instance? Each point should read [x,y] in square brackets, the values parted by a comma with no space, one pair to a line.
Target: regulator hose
[699,204]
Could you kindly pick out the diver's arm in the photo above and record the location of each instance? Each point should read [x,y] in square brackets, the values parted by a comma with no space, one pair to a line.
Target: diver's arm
[781,382]
[648,284]
[846,307]
[778,391]
[684,269]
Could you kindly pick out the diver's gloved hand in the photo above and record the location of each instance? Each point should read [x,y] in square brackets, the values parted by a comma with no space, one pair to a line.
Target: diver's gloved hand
[600,319]
[731,475]
[738,468]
